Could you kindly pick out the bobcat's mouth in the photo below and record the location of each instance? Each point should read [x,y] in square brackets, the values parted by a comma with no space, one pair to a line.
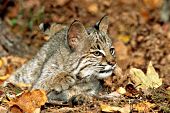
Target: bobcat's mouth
[107,71]
[108,68]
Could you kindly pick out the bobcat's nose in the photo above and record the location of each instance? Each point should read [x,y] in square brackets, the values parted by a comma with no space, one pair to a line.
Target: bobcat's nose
[110,59]
[111,62]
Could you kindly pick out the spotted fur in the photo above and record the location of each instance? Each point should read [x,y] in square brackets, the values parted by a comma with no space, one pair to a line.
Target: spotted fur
[72,62]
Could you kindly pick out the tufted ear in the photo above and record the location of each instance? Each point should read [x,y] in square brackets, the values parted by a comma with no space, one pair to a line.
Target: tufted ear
[103,24]
[76,34]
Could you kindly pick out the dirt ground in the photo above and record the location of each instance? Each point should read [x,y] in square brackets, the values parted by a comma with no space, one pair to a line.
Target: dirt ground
[138,33]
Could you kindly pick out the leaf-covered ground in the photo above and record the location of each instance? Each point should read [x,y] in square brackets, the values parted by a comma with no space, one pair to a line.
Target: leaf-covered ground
[139,36]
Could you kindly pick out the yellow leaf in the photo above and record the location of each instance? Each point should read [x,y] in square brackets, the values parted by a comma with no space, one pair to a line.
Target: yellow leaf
[153,76]
[110,109]
[143,106]
[106,108]
[150,80]
[121,90]
[23,85]
[37,110]
[2,78]
[124,38]
[1,63]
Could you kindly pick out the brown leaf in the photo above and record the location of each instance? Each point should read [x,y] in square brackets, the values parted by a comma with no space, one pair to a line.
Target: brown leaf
[121,54]
[131,89]
[93,8]
[153,4]
[13,11]
[15,109]
[8,65]
[29,100]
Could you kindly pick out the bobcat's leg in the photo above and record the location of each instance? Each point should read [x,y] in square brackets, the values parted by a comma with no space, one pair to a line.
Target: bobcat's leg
[69,96]
[76,94]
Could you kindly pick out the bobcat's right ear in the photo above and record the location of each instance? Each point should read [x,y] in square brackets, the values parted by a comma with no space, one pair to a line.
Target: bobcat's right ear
[103,24]
[76,34]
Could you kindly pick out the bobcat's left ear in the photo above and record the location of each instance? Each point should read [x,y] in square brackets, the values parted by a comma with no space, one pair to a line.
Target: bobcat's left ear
[103,24]
[76,34]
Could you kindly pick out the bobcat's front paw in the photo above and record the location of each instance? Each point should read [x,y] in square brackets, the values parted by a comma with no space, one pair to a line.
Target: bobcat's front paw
[79,99]
[59,82]
[62,82]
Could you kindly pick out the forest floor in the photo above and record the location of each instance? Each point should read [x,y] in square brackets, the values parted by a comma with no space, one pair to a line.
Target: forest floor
[138,34]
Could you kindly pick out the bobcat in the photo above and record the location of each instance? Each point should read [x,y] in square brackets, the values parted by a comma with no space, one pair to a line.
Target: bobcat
[72,62]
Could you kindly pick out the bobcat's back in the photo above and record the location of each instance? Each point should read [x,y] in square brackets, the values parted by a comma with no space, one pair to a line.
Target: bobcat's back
[31,71]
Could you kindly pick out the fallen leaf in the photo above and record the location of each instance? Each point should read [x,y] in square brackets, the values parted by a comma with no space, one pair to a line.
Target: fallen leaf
[153,4]
[106,108]
[15,109]
[37,110]
[143,106]
[1,63]
[14,11]
[93,8]
[122,54]
[124,38]
[153,75]
[3,78]
[121,90]
[131,89]
[150,80]
[110,109]
[29,100]
[8,65]
[24,85]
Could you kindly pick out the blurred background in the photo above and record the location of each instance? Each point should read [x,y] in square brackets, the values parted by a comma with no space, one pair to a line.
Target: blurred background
[140,29]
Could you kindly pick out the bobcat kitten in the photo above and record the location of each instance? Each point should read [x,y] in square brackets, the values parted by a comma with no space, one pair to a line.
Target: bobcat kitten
[72,62]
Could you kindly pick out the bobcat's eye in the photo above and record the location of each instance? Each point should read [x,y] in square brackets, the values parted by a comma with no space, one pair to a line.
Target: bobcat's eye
[112,51]
[98,53]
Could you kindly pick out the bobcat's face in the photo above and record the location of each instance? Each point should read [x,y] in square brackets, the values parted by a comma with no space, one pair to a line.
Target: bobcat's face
[97,58]
[103,54]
